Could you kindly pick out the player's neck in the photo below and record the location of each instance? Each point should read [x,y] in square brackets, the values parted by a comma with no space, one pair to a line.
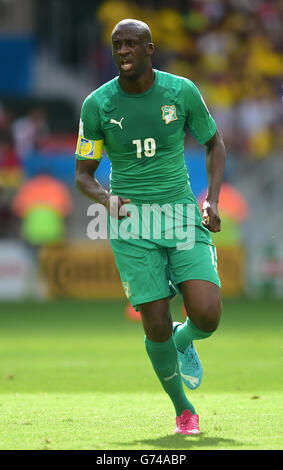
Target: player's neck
[140,85]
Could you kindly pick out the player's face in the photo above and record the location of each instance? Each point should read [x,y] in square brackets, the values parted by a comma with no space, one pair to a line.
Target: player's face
[130,52]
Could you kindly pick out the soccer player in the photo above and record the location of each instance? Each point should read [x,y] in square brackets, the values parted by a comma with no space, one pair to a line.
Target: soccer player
[141,118]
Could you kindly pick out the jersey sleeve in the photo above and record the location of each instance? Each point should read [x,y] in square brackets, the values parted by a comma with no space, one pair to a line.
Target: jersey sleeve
[90,138]
[199,121]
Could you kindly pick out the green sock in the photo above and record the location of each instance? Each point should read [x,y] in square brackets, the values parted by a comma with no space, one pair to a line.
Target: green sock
[186,333]
[164,360]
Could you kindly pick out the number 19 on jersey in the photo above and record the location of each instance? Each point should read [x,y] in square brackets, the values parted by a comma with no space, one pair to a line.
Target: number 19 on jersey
[149,147]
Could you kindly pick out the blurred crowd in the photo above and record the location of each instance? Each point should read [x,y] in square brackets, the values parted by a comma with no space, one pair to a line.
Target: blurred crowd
[20,135]
[232,50]
[39,199]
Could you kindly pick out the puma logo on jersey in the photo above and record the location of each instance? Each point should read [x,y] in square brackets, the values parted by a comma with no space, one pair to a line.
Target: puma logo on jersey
[119,123]
[169,113]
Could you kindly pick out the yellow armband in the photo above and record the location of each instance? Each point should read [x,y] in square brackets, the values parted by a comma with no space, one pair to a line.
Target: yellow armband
[90,149]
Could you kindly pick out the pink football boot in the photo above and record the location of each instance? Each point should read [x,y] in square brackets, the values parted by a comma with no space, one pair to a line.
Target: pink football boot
[187,423]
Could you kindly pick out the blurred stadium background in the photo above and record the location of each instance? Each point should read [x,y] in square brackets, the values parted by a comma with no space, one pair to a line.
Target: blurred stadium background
[61,302]
[53,54]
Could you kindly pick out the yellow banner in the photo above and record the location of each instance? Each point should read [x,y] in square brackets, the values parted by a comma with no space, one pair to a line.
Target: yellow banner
[88,271]
[231,270]
[81,271]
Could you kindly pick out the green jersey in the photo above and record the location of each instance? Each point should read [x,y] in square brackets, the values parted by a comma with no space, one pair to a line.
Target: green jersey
[143,135]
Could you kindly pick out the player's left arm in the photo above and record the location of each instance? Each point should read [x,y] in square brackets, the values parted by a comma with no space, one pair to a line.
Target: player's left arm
[202,126]
[215,156]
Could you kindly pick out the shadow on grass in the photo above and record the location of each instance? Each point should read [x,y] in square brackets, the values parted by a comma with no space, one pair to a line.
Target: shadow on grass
[180,442]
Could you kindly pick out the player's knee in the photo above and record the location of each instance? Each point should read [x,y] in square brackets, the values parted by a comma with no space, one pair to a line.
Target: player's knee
[157,327]
[208,317]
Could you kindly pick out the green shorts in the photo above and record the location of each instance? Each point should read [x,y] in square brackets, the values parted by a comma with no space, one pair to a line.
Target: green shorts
[153,269]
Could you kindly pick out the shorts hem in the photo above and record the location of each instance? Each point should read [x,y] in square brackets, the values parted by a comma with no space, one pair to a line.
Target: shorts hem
[194,278]
[151,299]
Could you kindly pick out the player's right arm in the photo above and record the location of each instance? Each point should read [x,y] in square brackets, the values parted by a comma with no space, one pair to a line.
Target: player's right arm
[88,156]
[91,188]
[88,184]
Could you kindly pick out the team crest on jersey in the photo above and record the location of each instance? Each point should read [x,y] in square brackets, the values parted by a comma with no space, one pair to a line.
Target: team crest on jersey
[169,113]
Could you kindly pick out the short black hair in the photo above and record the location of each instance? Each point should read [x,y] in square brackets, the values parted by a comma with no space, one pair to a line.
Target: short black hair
[142,28]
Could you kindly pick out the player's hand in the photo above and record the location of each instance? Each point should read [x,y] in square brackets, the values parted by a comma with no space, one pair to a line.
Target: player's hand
[122,209]
[116,207]
[210,215]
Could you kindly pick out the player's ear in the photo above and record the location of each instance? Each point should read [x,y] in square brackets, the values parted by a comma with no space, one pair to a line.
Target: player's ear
[150,48]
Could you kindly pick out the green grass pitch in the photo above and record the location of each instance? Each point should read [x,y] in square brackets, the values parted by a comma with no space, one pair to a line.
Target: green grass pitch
[75,375]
